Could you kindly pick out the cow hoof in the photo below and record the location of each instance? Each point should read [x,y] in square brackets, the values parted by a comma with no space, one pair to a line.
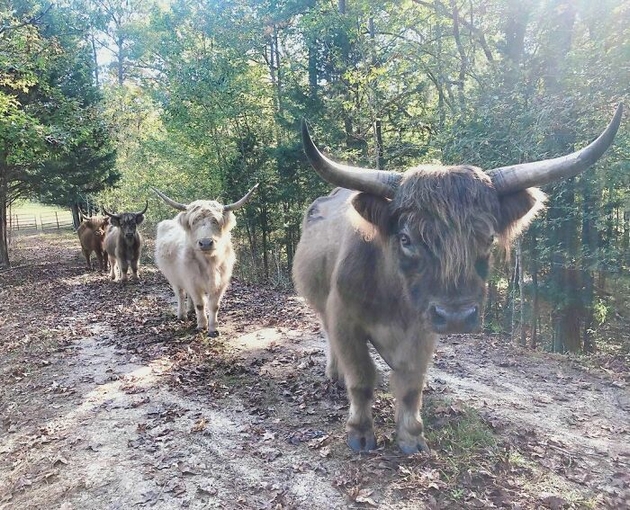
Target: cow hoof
[213,334]
[417,446]
[361,442]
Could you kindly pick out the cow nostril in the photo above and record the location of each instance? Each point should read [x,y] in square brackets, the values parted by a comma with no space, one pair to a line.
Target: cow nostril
[470,314]
[439,316]
[460,320]
[206,243]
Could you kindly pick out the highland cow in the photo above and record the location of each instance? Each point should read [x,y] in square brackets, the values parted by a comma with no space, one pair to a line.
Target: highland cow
[397,259]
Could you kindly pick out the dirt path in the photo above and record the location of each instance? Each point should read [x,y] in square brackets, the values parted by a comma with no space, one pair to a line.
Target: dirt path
[107,401]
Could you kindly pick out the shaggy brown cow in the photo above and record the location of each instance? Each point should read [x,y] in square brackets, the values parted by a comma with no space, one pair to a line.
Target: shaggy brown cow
[91,232]
[194,251]
[404,258]
[123,243]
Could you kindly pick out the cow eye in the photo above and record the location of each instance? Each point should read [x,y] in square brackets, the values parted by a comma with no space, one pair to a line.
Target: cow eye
[404,239]
[482,266]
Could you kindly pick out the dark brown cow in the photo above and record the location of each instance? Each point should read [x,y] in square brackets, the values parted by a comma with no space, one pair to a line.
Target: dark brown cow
[404,258]
[91,233]
[123,243]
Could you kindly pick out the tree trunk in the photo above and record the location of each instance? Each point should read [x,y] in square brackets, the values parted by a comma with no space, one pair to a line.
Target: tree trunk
[534,272]
[95,57]
[76,218]
[590,241]
[4,238]
[521,291]
[564,274]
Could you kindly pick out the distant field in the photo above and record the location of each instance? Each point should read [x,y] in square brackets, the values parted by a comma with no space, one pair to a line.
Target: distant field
[30,216]
[36,208]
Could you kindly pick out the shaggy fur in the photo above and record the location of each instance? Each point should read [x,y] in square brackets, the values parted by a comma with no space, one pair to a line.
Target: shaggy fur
[91,233]
[123,244]
[194,252]
[397,273]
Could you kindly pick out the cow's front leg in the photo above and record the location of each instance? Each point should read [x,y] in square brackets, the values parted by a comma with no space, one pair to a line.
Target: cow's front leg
[99,256]
[333,372]
[112,271]
[350,350]
[124,268]
[213,305]
[134,269]
[408,392]
[199,301]
[87,254]
[181,302]
[190,306]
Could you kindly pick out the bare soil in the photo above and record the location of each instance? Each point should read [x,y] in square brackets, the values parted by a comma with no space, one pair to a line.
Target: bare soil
[107,401]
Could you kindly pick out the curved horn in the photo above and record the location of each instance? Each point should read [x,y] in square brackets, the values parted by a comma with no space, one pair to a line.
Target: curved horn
[241,202]
[110,214]
[146,206]
[376,182]
[508,179]
[172,203]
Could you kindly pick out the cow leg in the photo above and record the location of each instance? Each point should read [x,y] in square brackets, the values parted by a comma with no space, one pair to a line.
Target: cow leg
[214,301]
[349,347]
[408,392]
[86,254]
[181,302]
[99,256]
[105,260]
[123,267]
[333,372]
[134,269]
[199,300]
[112,271]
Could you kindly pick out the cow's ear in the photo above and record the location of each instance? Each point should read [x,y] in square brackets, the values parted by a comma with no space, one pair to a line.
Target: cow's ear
[182,217]
[517,211]
[229,220]
[139,218]
[373,209]
[114,221]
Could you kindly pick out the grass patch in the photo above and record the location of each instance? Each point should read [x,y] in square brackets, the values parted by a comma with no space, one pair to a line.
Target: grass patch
[23,207]
[460,436]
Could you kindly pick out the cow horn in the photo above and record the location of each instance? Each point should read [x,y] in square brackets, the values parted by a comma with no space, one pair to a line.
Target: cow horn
[241,202]
[110,214]
[146,206]
[172,203]
[508,179]
[376,182]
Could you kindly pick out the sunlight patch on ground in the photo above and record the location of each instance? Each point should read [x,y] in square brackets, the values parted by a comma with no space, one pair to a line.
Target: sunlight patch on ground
[264,338]
[113,393]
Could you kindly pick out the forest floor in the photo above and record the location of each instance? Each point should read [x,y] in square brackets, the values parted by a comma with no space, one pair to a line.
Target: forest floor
[108,402]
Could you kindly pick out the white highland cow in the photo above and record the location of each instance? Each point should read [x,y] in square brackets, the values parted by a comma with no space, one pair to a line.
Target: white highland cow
[194,252]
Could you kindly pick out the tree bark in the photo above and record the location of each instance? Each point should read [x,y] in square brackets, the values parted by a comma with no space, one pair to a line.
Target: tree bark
[4,239]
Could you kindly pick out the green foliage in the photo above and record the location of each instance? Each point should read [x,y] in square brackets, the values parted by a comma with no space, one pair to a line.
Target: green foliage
[54,143]
[202,100]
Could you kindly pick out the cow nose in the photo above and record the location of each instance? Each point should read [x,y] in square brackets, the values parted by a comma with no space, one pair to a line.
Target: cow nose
[129,235]
[206,244]
[458,320]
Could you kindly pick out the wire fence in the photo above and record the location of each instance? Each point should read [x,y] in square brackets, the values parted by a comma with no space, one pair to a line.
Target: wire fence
[57,220]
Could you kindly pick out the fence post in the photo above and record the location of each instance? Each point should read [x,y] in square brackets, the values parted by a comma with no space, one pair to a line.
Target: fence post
[57,219]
